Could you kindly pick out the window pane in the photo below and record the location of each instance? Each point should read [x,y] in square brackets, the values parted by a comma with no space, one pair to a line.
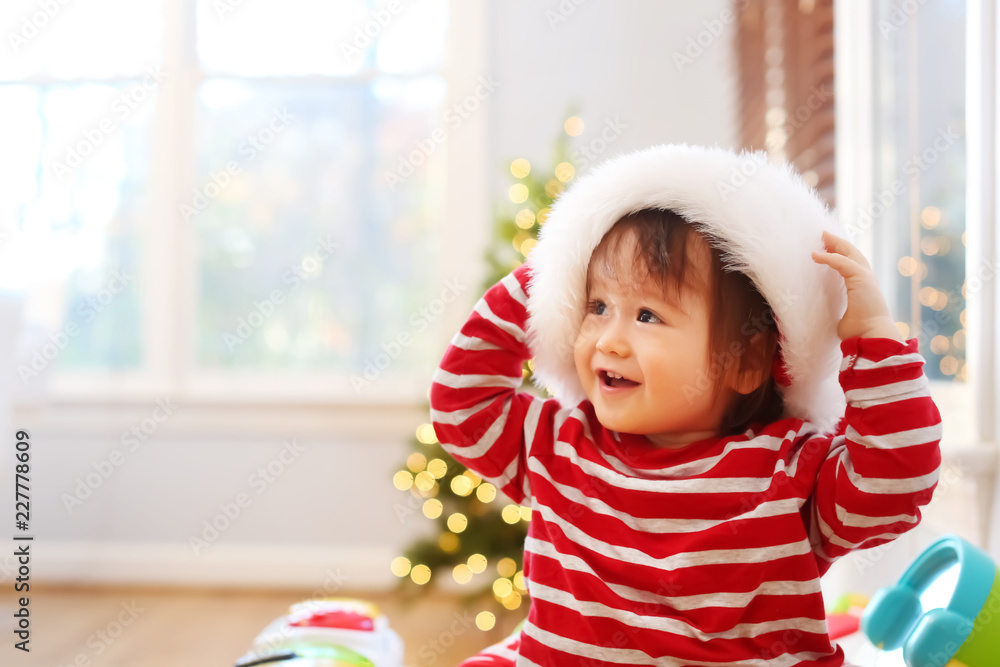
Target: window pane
[310,257]
[920,176]
[76,160]
[284,37]
[94,39]
[415,40]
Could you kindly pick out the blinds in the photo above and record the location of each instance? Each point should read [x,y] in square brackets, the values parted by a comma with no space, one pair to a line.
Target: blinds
[786,101]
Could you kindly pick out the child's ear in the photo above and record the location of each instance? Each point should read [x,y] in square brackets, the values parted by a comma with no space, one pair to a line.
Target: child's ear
[751,373]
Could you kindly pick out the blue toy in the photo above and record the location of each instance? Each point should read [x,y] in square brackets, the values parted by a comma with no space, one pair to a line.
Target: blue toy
[965,633]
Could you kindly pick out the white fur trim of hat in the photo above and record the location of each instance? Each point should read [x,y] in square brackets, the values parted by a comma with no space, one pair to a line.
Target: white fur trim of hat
[766,221]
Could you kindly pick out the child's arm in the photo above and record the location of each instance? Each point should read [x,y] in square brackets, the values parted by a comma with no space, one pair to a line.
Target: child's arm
[883,466]
[478,415]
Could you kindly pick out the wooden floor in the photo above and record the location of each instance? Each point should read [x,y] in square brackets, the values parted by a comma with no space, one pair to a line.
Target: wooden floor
[211,628]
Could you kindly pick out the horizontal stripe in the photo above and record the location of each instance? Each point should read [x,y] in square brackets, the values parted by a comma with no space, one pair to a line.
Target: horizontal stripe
[514,289]
[696,485]
[702,466]
[471,380]
[882,485]
[629,555]
[865,397]
[470,344]
[664,525]
[626,656]
[863,521]
[678,602]
[671,625]
[899,439]
[483,309]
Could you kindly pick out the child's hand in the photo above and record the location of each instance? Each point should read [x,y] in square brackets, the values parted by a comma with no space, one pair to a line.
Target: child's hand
[867,314]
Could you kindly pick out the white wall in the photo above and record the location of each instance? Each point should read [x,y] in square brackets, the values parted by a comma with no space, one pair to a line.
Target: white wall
[333,509]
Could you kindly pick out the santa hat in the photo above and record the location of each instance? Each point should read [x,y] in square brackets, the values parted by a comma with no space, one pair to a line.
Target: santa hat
[765,220]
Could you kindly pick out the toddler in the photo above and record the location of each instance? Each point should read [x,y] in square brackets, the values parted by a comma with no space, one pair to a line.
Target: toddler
[733,410]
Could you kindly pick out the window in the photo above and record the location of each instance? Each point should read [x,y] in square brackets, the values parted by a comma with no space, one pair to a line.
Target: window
[226,198]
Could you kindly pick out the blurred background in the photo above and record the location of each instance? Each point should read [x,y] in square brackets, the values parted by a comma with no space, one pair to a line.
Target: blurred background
[236,237]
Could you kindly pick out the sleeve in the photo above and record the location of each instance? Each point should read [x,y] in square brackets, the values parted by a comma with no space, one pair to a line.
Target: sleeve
[478,415]
[882,466]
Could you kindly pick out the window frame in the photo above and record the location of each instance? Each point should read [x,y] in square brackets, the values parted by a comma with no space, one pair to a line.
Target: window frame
[969,440]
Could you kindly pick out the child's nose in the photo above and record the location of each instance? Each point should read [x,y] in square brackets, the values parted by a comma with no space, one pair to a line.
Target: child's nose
[613,339]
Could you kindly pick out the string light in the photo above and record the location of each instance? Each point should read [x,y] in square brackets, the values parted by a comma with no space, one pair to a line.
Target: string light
[520,168]
[462,573]
[930,217]
[438,468]
[424,481]
[573,126]
[506,567]
[486,492]
[457,522]
[565,171]
[433,508]
[525,218]
[485,620]
[420,574]
[461,485]
[525,513]
[512,601]
[402,480]
[502,587]
[416,462]
[510,514]
[426,435]
[478,563]
[449,542]
[400,566]
[518,193]
[553,188]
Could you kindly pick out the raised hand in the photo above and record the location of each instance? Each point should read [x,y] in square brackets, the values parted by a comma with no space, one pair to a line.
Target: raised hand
[867,313]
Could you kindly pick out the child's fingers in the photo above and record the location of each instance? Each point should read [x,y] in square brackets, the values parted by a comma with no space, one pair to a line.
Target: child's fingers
[845,266]
[844,247]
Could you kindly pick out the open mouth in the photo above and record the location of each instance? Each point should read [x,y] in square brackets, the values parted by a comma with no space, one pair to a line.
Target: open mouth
[609,379]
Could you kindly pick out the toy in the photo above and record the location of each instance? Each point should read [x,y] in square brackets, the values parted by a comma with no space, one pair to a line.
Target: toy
[327,632]
[964,633]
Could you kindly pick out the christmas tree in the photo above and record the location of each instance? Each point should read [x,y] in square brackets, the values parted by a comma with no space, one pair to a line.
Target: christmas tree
[479,539]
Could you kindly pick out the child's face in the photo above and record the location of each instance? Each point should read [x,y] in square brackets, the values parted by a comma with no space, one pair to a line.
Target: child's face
[654,343]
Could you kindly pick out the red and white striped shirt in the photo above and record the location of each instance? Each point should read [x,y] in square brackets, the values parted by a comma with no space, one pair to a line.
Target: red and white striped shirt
[706,555]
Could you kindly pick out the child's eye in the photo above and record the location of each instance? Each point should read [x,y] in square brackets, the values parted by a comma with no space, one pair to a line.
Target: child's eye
[595,307]
[651,315]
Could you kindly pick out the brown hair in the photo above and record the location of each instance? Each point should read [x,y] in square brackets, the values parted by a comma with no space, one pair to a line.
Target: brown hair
[738,311]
